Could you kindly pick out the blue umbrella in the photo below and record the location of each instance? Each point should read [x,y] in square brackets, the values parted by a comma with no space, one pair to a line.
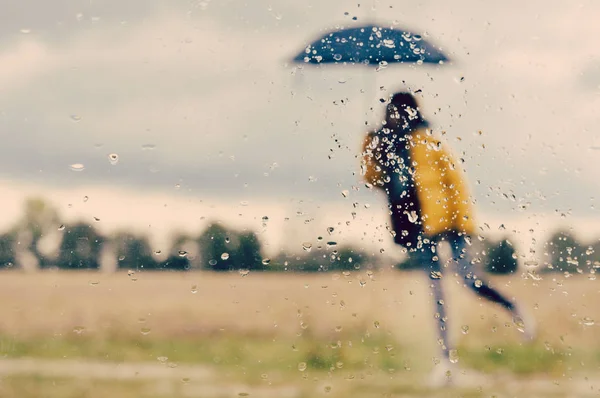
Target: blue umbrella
[370,45]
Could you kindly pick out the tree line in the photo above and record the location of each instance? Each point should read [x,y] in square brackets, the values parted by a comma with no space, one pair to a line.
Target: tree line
[221,248]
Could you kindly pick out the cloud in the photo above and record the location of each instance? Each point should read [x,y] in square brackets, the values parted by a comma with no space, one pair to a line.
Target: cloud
[206,85]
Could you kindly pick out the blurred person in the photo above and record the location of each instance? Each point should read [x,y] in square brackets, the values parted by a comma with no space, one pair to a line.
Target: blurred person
[429,204]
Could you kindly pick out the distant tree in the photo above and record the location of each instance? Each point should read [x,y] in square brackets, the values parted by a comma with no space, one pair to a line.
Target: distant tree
[501,258]
[80,248]
[38,219]
[7,253]
[215,244]
[410,262]
[346,259]
[178,259]
[564,253]
[133,252]
[248,253]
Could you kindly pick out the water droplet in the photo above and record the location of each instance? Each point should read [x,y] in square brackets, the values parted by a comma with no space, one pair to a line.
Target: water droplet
[436,275]
[330,230]
[337,57]
[244,272]
[307,246]
[338,329]
[96,219]
[212,262]
[587,321]
[94,283]
[162,359]
[244,203]
[77,167]
[113,158]
[531,263]
[465,329]
[478,283]
[61,227]
[518,321]
[78,329]
[75,118]
[412,216]
[244,394]
[130,272]
[194,289]
[85,199]
[145,331]
[376,324]
[331,244]
[266,261]
[225,256]
[185,380]
[148,147]
[345,193]
[182,253]
[302,366]
[453,356]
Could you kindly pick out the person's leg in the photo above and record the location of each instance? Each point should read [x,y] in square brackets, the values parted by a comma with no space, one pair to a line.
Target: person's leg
[477,284]
[464,268]
[444,371]
[431,264]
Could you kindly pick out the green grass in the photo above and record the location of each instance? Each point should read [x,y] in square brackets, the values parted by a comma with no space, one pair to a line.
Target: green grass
[254,355]
[249,354]
[518,359]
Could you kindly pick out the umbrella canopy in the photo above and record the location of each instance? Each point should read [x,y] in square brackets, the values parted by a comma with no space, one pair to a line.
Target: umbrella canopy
[370,45]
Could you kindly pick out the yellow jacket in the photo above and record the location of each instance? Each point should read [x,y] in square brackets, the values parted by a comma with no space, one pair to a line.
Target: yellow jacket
[442,194]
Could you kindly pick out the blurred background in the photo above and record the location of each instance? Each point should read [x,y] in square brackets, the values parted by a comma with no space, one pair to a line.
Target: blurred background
[184,215]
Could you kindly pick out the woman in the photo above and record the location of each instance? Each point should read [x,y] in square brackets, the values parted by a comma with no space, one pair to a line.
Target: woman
[429,204]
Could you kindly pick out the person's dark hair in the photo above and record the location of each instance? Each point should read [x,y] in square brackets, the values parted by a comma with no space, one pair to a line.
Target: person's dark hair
[407,107]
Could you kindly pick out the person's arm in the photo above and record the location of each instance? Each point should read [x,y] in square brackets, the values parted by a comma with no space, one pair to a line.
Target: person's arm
[370,167]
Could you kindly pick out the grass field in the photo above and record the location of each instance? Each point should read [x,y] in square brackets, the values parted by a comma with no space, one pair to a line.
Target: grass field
[367,334]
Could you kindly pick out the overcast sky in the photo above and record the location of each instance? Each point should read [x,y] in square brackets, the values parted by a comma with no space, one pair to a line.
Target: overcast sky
[198,100]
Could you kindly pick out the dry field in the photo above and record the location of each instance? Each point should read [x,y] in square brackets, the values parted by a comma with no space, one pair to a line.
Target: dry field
[228,321]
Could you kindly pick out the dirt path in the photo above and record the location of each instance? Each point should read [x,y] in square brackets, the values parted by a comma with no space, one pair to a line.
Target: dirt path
[161,378]
[204,381]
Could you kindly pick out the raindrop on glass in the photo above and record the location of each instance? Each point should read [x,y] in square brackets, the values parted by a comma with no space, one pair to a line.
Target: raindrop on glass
[225,256]
[453,356]
[587,321]
[113,158]
[78,329]
[518,321]
[436,275]
[77,167]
